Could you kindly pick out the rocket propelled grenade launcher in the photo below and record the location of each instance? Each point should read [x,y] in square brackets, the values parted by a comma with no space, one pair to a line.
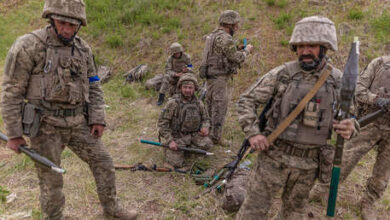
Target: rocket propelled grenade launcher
[185,149]
[348,84]
[36,157]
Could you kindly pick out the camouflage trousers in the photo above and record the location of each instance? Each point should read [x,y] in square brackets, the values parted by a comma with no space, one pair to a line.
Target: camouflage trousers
[177,158]
[369,137]
[274,171]
[50,142]
[235,190]
[168,85]
[155,82]
[217,105]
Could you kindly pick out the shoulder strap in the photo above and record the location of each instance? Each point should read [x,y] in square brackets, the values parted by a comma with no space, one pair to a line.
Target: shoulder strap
[292,68]
[41,35]
[287,121]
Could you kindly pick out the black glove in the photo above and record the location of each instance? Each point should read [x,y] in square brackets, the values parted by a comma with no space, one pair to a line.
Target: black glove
[382,102]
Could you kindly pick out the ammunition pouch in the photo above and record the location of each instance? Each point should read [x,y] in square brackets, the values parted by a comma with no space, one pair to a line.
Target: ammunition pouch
[203,70]
[326,163]
[311,115]
[31,119]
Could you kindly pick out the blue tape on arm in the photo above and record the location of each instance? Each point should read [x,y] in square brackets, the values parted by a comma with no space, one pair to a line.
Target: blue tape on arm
[94,78]
[189,65]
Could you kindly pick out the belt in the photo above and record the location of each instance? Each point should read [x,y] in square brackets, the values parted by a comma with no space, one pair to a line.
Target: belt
[289,149]
[65,112]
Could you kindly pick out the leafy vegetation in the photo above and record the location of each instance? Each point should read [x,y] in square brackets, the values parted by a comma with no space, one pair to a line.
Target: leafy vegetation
[355,14]
[3,194]
[381,26]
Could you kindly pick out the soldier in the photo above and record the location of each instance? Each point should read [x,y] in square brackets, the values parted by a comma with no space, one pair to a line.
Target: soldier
[52,94]
[372,93]
[221,58]
[184,121]
[177,64]
[292,163]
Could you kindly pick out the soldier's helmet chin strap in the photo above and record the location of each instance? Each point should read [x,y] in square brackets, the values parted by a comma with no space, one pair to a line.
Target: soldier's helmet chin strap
[63,39]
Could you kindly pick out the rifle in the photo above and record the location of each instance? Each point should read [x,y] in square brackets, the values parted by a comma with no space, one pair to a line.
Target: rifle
[142,167]
[185,149]
[242,153]
[36,157]
[348,84]
[367,119]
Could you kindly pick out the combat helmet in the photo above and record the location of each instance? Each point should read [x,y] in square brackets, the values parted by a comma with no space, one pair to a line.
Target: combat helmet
[188,77]
[175,48]
[314,30]
[72,11]
[229,17]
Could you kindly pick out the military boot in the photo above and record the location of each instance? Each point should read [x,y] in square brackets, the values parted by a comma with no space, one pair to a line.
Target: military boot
[161,98]
[367,210]
[319,193]
[122,214]
[223,142]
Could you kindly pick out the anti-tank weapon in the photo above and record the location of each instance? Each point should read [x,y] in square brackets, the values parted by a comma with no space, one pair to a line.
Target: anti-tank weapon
[348,84]
[36,157]
[181,148]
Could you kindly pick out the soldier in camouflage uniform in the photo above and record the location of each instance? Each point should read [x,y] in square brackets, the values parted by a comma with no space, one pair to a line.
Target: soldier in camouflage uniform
[221,59]
[177,64]
[372,93]
[292,162]
[184,121]
[52,94]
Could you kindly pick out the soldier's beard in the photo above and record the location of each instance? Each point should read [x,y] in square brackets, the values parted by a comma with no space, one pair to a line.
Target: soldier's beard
[308,66]
[231,32]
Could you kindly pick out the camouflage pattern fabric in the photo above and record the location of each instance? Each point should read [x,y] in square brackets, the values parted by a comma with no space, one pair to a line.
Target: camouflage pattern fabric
[229,17]
[172,67]
[235,190]
[26,59]
[50,142]
[168,124]
[155,82]
[70,9]
[276,169]
[224,49]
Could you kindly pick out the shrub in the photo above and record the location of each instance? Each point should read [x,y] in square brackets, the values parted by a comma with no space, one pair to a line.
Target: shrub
[282,20]
[355,14]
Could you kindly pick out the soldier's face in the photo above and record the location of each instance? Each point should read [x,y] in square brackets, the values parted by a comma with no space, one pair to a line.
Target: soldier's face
[177,55]
[307,53]
[66,29]
[188,90]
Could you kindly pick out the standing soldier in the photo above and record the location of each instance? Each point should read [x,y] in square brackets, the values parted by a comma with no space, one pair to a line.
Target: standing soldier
[178,63]
[292,163]
[372,93]
[184,121]
[221,59]
[52,94]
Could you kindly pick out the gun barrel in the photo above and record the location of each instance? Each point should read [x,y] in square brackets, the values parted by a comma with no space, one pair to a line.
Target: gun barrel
[367,119]
[190,150]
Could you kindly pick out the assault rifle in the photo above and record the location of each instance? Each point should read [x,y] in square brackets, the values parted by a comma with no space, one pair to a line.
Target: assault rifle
[348,84]
[142,167]
[229,168]
[367,119]
[36,157]
[181,148]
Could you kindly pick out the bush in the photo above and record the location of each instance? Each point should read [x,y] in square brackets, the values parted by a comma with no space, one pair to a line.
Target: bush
[3,194]
[270,2]
[114,41]
[381,26]
[282,3]
[282,20]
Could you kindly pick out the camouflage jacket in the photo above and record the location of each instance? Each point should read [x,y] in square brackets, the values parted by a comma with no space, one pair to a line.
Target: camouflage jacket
[273,84]
[174,66]
[169,121]
[374,82]
[224,57]
[26,58]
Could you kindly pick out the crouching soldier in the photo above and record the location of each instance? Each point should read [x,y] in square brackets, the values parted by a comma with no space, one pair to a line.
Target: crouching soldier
[184,122]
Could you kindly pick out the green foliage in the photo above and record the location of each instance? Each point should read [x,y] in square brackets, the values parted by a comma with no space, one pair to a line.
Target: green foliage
[282,20]
[114,41]
[284,43]
[381,27]
[355,14]
[282,3]
[270,2]
[3,194]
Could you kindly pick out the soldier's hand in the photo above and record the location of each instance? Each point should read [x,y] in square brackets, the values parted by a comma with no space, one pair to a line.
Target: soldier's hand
[97,130]
[178,75]
[383,102]
[259,142]
[249,48]
[14,144]
[173,145]
[204,132]
[345,128]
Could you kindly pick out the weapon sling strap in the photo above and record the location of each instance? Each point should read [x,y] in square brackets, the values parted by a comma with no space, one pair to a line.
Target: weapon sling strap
[290,118]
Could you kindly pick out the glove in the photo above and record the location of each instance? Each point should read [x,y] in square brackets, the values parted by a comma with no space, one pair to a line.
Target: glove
[382,102]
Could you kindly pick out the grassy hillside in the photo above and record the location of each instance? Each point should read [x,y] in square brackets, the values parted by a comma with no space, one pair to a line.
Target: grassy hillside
[125,33]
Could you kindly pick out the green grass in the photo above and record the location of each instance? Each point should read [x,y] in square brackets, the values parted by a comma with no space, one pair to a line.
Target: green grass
[282,20]
[355,14]
[3,194]
[381,27]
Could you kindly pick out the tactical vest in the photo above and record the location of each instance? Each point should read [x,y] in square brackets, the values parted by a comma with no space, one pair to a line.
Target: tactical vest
[188,118]
[313,125]
[179,64]
[217,63]
[64,77]
[380,86]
